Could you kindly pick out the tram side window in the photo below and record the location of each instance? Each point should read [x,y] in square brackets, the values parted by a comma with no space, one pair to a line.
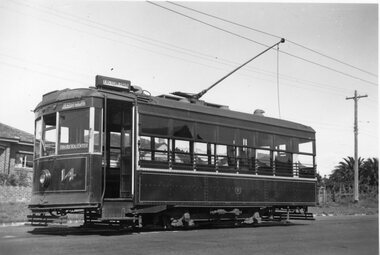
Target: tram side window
[204,155]
[245,158]
[181,152]
[225,156]
[263,158]
[153,148]
[221,155]
[282,160]
[303,160]
[303,145]
[160,149]
[263,162]
[145,148]
[304,165]
[245,155]
[283,163]
[154,152]
[49,136]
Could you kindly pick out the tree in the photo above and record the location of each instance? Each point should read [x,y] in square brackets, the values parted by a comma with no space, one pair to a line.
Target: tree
[369,175]
[319,180]
[342,176]
[15,179]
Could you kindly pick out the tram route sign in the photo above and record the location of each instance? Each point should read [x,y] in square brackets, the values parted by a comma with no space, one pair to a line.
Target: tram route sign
[103,82]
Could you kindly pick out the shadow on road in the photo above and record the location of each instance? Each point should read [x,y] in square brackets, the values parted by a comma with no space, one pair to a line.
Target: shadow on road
[79,230]
[114,231]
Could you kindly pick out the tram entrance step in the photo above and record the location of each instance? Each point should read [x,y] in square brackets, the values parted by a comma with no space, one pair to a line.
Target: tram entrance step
[116,208]
[44,220]
[295,216]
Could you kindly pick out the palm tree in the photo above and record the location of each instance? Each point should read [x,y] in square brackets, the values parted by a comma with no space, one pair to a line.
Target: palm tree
[369,175]
[342,176]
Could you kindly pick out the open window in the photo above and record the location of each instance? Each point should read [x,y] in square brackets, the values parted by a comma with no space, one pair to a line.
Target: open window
[154,152]
[304,164]
[283,163]
[182,154]
[264,162]
[204,154]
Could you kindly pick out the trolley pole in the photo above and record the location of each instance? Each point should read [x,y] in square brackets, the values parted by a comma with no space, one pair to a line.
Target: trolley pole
[356,166]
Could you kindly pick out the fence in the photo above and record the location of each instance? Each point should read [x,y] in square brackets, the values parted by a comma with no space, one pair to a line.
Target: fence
[15,194]
[326,196]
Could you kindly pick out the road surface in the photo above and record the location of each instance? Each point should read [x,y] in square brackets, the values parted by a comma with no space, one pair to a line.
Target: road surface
[327,235]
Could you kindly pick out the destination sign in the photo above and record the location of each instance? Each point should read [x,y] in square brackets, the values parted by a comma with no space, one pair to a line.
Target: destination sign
[112,83]
[71,105]
[73,146]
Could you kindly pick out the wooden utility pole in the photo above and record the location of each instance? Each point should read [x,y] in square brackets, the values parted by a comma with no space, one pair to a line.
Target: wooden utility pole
[356,166]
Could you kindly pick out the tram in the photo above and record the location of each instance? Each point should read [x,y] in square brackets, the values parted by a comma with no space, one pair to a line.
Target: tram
[116,154]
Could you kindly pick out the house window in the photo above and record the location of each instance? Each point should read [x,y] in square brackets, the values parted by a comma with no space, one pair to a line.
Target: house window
[24,160]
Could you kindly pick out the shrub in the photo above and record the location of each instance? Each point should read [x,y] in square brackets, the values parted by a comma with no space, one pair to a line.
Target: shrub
[15,179]
[3,178]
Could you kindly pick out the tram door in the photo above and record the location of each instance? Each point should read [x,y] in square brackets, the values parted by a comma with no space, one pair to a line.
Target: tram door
[118,132]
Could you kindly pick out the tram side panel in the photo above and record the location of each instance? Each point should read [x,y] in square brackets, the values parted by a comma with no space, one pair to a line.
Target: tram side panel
[208,190]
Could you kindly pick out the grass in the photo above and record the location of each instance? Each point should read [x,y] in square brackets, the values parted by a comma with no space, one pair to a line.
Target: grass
[18,211]
[368,205]
[13,212]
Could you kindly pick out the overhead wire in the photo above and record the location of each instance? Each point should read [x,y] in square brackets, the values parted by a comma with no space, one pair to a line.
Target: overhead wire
[26,68]
[147,40]
[129,44]
[65,78]
[262,44]
[273,35]
[123,33]
[118,31]
[291,80]
[46,66]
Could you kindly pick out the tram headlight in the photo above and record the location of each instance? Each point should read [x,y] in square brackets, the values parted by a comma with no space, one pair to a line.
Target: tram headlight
[45,178]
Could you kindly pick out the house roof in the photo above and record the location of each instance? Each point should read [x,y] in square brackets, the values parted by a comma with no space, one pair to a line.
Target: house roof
[13,134]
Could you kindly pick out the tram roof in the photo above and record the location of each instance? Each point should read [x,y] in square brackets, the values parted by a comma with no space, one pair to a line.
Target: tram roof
[167,102]
[225,112]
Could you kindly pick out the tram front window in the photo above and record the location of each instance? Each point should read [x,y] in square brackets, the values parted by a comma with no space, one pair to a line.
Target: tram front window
[74,131]
[46,133]
[38,136]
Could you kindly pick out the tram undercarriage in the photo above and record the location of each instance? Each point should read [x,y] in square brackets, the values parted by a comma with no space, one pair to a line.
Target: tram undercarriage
[173,217]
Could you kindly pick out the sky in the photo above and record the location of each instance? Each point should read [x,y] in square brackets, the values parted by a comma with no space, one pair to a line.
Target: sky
[331,50]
